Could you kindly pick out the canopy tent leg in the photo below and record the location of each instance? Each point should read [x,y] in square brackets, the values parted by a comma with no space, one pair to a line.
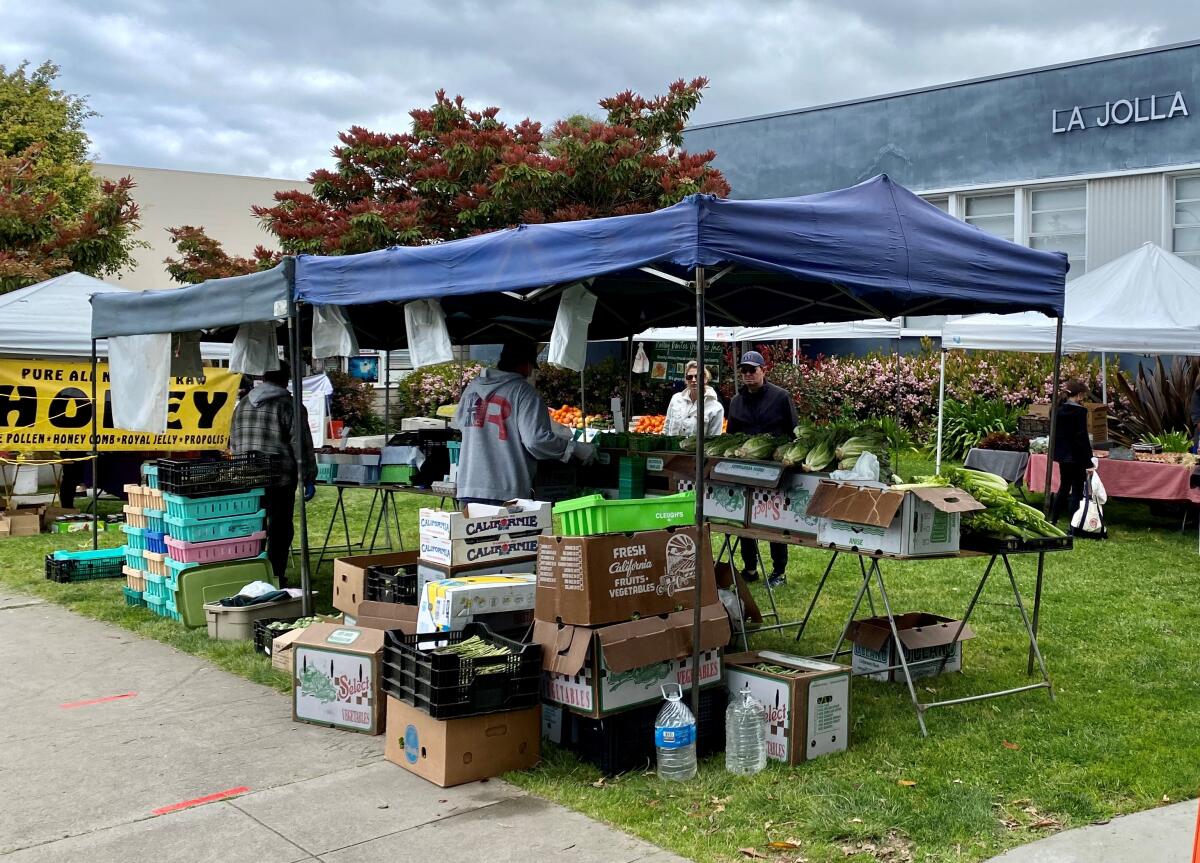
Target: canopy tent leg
[95,457]
[299,427]
[1104,377]
[937,462]
[701,536]
[387,392]
[1058,333]
[629,387]
[583,403]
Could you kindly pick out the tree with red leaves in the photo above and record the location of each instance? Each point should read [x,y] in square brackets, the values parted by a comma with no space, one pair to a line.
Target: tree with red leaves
[55,215]
[461,172]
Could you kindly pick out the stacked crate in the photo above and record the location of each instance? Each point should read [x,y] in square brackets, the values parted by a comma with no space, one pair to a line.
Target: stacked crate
[142,528]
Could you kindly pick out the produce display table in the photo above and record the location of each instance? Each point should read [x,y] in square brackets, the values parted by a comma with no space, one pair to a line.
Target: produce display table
[1137,480]
[386,517]
[872,572]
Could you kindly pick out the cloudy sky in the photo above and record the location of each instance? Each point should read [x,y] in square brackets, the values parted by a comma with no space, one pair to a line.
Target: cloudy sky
[262,88]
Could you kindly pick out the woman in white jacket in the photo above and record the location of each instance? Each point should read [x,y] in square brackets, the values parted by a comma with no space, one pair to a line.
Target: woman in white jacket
[681,412]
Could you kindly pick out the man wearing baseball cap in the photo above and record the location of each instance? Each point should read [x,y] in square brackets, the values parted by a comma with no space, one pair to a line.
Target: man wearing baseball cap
[761,407]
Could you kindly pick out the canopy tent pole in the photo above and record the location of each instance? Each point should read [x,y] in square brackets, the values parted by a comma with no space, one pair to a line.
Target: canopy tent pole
[387,392]
[583,404]
[95,457]
[795,351]
[299,427]
[1104,377]
[1058,334]
[937,462]
[629,386]
[700,532]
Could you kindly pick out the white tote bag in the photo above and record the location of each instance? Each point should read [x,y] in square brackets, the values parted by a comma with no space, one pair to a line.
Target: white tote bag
[1089,518]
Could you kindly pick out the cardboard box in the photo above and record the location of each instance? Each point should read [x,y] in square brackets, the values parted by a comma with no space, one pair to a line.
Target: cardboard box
[50,513]
[470,552]
[21,522]
[281,649]
[607,669]
[336,677]
[350,576]
[722,501]
[913,523]
[926,639]
[480,521]
[1097,418]
[786,508]
[596,580]
[453,751]
[808,713]
[385,615]
[448,606]
[427,572]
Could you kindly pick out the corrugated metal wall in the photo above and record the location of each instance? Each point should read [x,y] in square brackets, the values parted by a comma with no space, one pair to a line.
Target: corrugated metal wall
[1123,213]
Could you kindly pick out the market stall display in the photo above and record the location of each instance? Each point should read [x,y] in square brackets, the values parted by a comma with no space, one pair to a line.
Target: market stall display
[1134,479]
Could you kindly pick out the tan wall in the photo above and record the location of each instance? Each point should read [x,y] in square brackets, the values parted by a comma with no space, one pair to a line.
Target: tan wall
[220,203]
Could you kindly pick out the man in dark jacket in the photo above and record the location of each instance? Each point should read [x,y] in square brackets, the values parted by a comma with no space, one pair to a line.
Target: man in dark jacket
[1072,450]
[263,422]
[761,407]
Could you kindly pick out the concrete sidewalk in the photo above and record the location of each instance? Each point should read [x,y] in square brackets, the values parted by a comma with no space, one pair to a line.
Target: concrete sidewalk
[83,782]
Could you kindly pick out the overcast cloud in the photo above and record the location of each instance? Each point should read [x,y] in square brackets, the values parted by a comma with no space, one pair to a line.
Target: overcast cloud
[263,88]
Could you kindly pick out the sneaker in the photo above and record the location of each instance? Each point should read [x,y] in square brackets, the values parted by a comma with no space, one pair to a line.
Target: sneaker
[777,579]
[749,575]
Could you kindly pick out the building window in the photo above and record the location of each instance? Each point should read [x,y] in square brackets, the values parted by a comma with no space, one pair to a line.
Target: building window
[942,204]
[1058,223]
[1185,238]
[992,213]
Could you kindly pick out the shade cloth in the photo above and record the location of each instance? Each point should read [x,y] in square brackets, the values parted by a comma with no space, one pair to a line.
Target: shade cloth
[1137,480]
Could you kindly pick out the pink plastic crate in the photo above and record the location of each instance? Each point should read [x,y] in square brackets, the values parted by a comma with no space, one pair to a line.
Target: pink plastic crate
[217,550]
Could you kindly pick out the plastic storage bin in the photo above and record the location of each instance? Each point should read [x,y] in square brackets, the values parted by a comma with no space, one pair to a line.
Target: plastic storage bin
[67,566]
[216,551]
[326,471]
[197,585]
[170,609]
[133,597]
[135,579]
[358,474]
[446,685]
[134,516]
[212,529]
[237,624]
[156,587]
[154,520]
[135,537]
[217,477]
[155,541]
[133,558]
[396,474]
[155,562]
[217,506]
[586,516]
[156,606]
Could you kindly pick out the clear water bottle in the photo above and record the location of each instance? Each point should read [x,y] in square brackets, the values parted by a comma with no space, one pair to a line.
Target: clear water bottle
[675,737]
[745,734]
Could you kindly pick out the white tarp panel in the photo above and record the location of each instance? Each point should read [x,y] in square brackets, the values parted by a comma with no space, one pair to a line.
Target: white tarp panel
[1144,302]
[54,319]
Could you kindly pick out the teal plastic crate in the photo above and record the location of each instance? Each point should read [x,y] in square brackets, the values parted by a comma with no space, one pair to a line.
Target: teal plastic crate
[221,506]
[326,471]
[592,514]
[154,520]
[454,446]
[134,559]
[209,529]
[133,598]
[135,537]
[150,473]
[156,606]
[170,609]
[156,587]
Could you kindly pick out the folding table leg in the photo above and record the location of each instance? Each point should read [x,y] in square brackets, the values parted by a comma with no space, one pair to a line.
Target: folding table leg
[866,584]
[813,603]
[766,579]
[962,624]
[912,690]
[1037,605]
[1033,645]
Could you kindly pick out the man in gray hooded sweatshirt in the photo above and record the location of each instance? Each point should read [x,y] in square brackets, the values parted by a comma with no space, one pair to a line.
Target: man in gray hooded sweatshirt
[263,423]
[505,429]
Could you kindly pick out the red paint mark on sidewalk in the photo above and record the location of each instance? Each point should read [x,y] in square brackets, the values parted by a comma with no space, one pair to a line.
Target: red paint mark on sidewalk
[200,801]
[1196,841]
[89,702]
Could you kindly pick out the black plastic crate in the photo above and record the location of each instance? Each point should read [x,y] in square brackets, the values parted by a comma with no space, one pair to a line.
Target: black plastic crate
[392,583]
[625,741]
[446,685]
[1033,426]
[432,443]
[68,570]
[264,636]
[204,478]
[995,545]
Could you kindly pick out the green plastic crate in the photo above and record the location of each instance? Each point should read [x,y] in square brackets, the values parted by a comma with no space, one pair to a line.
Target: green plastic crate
[590,515]
[396,474]
[214,581]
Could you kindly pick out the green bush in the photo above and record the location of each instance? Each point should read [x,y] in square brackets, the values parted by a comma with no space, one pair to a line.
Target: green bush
[966,424]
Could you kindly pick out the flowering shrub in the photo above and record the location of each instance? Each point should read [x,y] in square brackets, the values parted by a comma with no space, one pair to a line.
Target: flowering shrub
[421,393]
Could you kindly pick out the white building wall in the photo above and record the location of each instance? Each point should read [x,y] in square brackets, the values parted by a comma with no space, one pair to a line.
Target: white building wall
[220,203]
[1123,213]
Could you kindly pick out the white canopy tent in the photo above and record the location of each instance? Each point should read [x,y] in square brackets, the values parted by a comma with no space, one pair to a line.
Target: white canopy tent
[1144,302]
[54,319]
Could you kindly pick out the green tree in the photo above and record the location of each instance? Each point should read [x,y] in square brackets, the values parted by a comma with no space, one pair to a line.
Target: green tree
[55,214]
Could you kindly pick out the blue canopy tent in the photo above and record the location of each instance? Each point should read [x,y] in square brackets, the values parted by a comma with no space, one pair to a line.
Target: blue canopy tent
[872,251]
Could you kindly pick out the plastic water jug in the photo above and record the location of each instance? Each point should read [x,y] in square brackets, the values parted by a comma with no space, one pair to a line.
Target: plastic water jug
[675,737]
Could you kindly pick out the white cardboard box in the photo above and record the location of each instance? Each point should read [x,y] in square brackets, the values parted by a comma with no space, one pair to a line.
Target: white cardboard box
[619,691]
[786,507]
[722,500]
[448,606]
[481,521]
[469,552]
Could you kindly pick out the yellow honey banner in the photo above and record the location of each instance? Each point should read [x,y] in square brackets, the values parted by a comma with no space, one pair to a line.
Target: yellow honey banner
[46,406]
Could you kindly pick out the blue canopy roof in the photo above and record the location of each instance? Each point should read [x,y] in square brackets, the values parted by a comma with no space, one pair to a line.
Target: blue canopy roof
[873,250]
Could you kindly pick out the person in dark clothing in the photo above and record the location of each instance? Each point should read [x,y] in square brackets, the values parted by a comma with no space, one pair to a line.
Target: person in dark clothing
[761,407]
[1194,419]
[71,477]
[263,422]
[1072,450]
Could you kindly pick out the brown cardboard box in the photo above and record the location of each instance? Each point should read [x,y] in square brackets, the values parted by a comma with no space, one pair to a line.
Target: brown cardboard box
[1097,418]
[350,574]
[336,677]
[596,580]
[281,645]
[23,521]
[50,513]
[808,712]
[387,615]
[453,751]
[926,638]
[863,516]
[601,670]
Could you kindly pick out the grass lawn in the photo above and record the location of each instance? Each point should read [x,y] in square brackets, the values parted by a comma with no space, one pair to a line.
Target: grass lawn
[1124,734]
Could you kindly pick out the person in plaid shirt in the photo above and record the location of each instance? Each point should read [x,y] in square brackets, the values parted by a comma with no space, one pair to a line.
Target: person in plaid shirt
[263,423]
